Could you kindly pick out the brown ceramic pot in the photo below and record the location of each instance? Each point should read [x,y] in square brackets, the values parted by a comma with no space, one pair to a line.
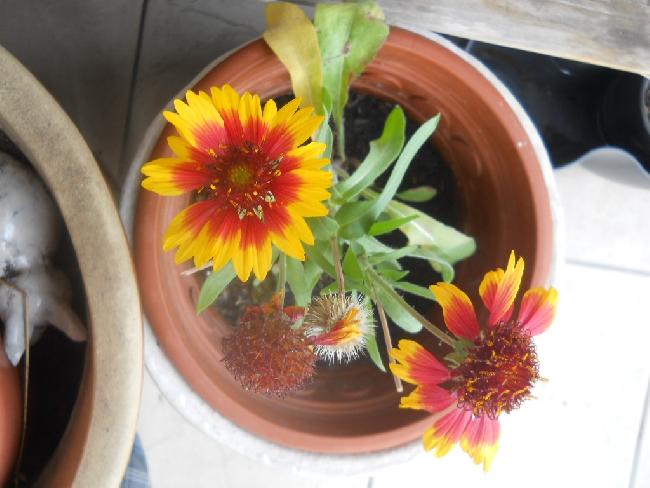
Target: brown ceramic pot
[10,415]
[503,202]
[96,446]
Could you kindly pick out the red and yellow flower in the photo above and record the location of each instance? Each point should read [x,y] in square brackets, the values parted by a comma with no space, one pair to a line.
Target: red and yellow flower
[496,363]
[255,179]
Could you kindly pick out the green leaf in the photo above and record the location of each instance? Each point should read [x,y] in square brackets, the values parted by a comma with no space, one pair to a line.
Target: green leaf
[213,286]
[373,351]
[351,211]
[392,274]
[313,273]
[420,136]
[383,152]
[297,282]
[321,259]
[386,226]
[450,244]
[349,35]
[292,37]
[397,312]
[377,258]
[351,265]
[414,289]
[324,228]
[418,194]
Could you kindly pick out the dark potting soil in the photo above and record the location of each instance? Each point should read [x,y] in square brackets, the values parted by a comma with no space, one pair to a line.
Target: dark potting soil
[364,118]
[56,366]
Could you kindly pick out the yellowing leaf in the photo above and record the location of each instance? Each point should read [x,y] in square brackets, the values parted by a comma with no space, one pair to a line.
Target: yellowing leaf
[292,37]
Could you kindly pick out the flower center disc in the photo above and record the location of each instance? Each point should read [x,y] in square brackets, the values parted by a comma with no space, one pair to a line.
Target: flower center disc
[243,178]
[499,373]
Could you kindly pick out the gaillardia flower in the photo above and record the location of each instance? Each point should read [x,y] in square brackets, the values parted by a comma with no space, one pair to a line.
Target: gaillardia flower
[266,354]
[495,364]
[337,325]
[254,177]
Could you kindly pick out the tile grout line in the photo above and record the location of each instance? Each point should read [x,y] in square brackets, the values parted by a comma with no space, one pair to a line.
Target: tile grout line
[641,439]
[134,78]
[607,267]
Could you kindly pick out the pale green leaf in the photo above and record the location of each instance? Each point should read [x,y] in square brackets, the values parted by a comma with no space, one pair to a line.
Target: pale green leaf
[421,135]
[386,226]
[383,152]
[351,265]
[213,286]
[418,194]
[293,39]
[414,289]
[373,351]
[349,35]
[297,282]
[324,228]
[398,314]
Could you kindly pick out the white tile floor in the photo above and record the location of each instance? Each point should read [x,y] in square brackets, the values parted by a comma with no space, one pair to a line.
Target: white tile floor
[583,429]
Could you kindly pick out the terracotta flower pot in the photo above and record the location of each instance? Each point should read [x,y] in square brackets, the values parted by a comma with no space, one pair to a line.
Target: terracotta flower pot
[96,446]
[11,415]
[497,160]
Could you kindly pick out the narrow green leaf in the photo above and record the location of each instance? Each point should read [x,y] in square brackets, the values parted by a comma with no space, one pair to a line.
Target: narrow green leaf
[352,211]
[324,228]
[392,275]
[292,37]
[414,289]
[418,194]
[297,281]
[397,312]
[375,259]
[420,136]
[386,226]
[373,351]
[349,35]
[383,152]
[313,273]
[439,263]
[315,254]
[450,244]
[351,265]
[213,286]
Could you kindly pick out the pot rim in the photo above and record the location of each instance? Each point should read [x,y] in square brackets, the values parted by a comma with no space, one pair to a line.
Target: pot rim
[199,413]
[103,423]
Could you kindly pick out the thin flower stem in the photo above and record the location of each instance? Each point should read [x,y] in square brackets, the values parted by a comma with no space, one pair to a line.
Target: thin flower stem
[387,341]
[282,277]
[434,329]
[336,256]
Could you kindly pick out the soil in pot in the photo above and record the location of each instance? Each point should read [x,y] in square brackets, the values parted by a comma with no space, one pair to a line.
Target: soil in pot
[56,367]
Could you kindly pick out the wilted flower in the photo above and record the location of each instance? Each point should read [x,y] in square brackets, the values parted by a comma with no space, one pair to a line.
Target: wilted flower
[338,325]
[256,181]
[265,354]
[497,363]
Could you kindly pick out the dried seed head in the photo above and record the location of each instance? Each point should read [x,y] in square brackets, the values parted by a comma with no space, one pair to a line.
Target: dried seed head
[266,355]
[337,325]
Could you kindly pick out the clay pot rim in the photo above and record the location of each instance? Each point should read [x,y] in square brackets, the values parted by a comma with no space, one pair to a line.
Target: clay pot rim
[102,426]
[197,411]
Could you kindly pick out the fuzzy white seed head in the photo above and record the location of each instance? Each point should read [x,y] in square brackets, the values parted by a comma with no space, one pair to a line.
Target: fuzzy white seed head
[338,325]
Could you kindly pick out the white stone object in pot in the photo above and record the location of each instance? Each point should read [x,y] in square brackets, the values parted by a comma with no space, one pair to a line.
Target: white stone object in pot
[29,233]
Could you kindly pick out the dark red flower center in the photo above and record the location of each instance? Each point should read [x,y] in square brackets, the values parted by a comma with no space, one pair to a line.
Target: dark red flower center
[499,372]
[242,178]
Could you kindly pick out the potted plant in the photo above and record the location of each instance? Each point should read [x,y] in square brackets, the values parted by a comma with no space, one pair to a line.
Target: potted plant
[501,190]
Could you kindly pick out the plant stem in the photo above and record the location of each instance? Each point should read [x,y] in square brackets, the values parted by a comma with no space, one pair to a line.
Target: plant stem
[387,341]
[434,329]
[282,277]
[336,256]
[340,137]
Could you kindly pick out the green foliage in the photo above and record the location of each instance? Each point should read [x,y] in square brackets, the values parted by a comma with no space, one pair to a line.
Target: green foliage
[213,286]
[349,36]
